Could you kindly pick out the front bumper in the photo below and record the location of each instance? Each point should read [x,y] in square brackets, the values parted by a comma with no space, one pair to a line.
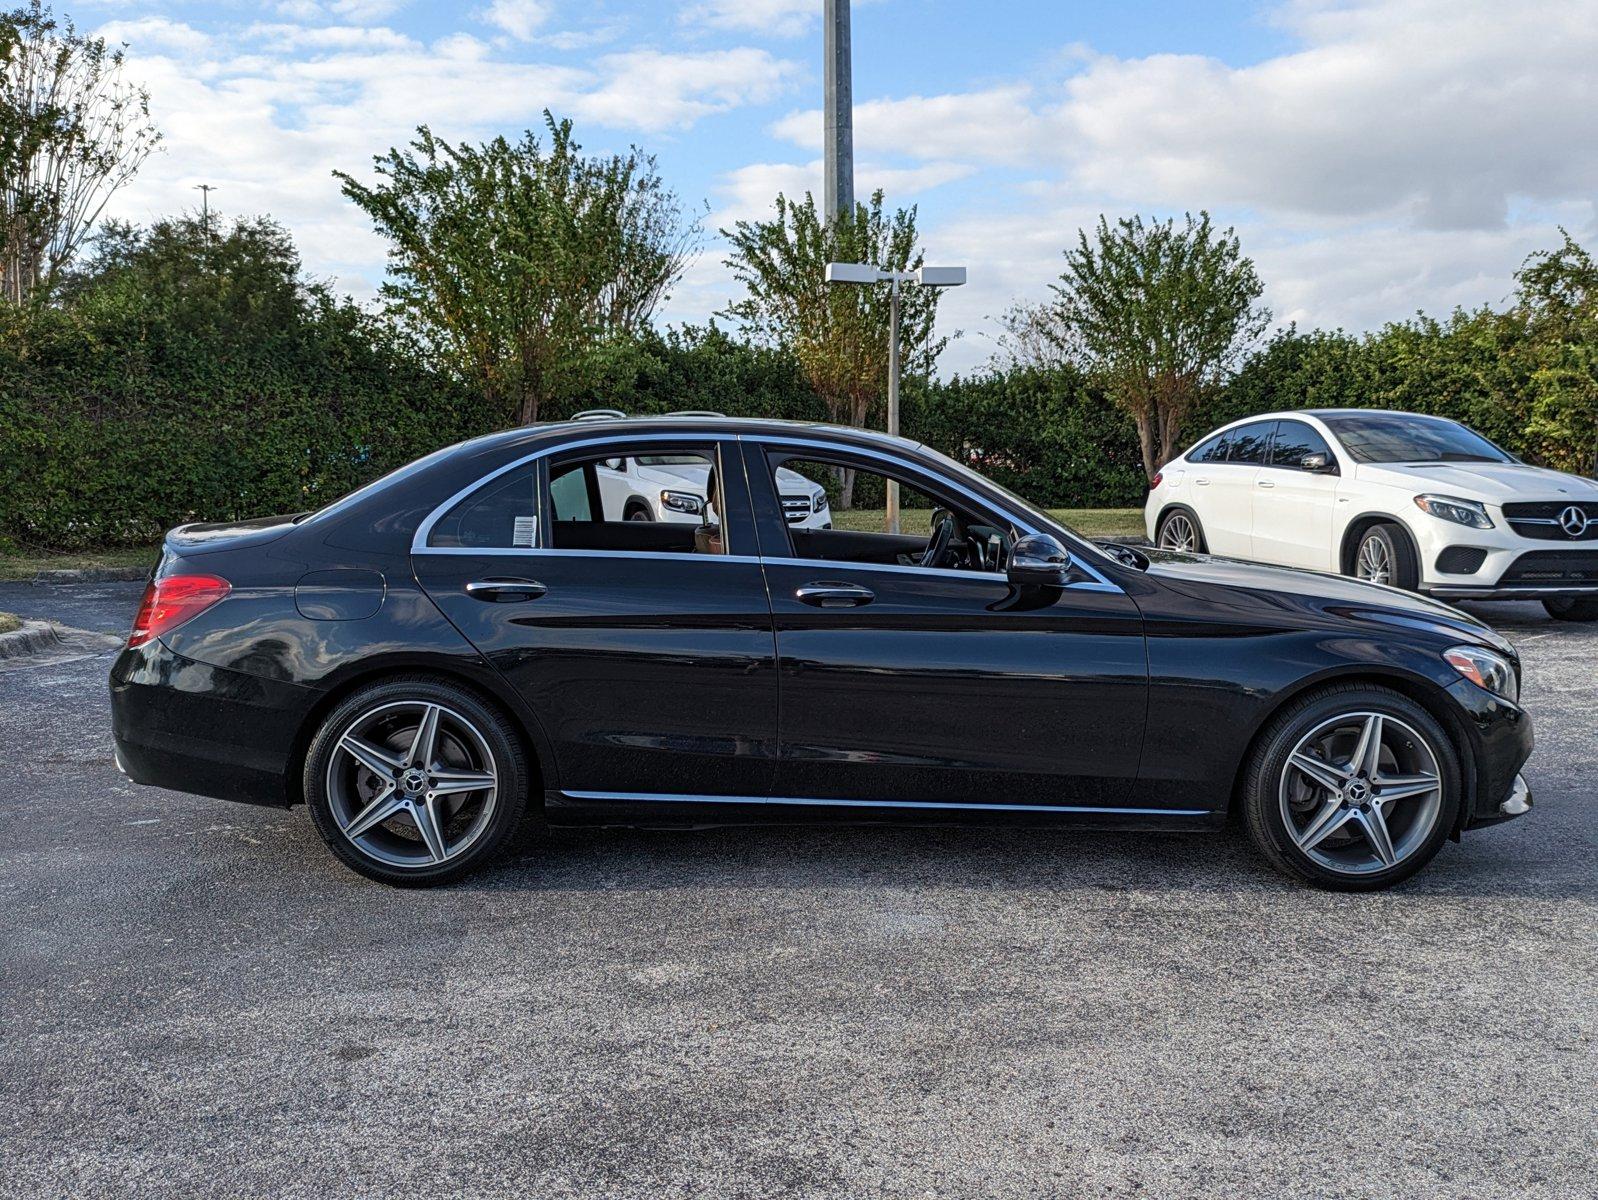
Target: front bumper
[1453,592]
[1499,743]
[1519,802]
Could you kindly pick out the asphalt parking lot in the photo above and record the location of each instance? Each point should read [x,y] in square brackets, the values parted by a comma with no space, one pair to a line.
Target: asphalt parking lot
[197,999]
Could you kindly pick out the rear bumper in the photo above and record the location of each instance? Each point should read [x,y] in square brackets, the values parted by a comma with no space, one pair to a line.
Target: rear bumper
[191,727]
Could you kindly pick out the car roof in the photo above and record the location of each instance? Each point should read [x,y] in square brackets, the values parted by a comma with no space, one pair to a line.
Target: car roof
[531,436]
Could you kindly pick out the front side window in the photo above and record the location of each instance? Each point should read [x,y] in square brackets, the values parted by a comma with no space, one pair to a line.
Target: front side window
[1296,441]
[1383,437]
[934,530]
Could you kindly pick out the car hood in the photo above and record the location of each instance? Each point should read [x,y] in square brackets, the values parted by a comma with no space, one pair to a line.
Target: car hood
[1336,595]
[1491,482]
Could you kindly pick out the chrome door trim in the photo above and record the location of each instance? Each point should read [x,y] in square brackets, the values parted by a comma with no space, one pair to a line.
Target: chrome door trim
[934,805]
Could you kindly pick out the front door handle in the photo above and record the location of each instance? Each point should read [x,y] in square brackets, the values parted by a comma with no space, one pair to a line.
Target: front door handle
[835,595]
[505,589]
[1266,483]
[1202,482]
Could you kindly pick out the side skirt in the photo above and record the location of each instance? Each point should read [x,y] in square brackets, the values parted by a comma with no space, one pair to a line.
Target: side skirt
[650,809]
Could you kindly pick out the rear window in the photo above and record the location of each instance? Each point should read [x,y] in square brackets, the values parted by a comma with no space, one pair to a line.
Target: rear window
[1250,443]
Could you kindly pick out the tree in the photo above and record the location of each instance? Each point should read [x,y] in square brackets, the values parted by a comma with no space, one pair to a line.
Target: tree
[72,133]
[1159,314]
[1558,304]
[514,262]
[839,335]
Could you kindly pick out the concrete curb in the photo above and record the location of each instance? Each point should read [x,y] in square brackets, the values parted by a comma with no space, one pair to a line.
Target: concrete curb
[33,638]
[93,575]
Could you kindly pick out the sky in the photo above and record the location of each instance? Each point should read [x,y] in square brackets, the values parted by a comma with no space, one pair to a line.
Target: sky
[1376,157]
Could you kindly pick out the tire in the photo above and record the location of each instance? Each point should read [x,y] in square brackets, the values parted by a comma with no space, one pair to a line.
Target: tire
[1385,550]
[375,728]
[1331,839]
[1572,608]
[1169,528]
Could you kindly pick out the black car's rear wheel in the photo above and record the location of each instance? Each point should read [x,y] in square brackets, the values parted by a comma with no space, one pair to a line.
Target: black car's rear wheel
[1352,788]
[1572,608]
[415,781]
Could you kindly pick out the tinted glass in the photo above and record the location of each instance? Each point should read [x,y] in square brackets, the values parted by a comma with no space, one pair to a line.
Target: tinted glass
[1294,442]
[503,515]
[1213,450]
[1403,437]
[1249,443]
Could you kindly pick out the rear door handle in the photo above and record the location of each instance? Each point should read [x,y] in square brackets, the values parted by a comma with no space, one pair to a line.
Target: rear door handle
[1266,483]
[505,589]
[835,595]
[1202,482]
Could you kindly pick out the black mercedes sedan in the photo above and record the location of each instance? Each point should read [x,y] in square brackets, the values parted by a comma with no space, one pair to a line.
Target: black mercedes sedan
[499,634]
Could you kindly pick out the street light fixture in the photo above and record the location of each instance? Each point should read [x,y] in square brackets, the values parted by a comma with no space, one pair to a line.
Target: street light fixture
[922,277]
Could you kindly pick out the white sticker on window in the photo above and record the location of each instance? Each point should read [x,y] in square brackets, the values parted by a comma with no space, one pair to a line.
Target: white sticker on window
[525,532]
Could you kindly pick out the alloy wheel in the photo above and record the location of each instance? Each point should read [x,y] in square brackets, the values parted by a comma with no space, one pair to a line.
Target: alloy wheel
[1178,533]
[1361,792]
[412,784]
[1374,564]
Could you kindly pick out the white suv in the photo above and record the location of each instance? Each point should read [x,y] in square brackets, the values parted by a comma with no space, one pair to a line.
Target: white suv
[1416,502]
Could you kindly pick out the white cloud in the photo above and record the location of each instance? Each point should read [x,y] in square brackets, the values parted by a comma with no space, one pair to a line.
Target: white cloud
[997,125]
[155,33]
[519,18]
[778,18]
[654,90]
[366,10]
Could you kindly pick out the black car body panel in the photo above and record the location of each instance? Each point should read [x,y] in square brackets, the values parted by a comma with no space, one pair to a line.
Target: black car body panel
[662,688]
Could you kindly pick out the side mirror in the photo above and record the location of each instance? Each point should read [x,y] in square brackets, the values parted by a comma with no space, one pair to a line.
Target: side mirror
[614,464]
[1317,463]
[1039,560]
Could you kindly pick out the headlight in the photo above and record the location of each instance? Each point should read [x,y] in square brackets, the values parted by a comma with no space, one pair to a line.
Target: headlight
[1485,669]
[683,502]
[1451,508]
[819,502]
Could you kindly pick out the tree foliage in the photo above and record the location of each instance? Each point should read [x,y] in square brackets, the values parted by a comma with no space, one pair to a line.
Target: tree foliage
[72,133]
[1159,313]
[514,262]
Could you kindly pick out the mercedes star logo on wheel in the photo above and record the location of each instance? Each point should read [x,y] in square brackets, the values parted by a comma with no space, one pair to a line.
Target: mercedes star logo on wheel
[1573,521]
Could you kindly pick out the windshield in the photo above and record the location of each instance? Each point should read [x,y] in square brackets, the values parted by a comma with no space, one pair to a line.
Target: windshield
[352,498]
[1403,438]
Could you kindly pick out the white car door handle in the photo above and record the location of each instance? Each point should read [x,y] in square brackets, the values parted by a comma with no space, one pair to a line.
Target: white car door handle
[1266,483]
[1202,482]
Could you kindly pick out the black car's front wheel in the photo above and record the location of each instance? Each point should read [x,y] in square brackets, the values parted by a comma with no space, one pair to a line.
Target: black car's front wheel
[1353,788]
[415,781]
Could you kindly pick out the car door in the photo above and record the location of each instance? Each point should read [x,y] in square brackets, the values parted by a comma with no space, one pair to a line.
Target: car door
[1293,504]
[644,649]
[932,688]
[1223,489]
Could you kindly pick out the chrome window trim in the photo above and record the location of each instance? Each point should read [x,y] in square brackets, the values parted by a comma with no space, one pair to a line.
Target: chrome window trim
[823,565]
[425,529]
[681,798]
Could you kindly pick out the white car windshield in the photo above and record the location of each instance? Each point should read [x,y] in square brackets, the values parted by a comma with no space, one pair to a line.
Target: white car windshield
[1399,438]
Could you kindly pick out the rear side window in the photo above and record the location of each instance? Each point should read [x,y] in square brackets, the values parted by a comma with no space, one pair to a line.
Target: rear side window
[1296,441]
[1250,443]
[502,515]
[1210,450]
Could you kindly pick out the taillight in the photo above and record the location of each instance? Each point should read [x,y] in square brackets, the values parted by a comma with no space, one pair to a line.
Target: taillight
[171,601]
[1155,482]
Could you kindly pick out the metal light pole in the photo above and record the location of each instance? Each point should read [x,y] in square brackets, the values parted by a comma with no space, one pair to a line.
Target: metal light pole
[921,277]
[838,114]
